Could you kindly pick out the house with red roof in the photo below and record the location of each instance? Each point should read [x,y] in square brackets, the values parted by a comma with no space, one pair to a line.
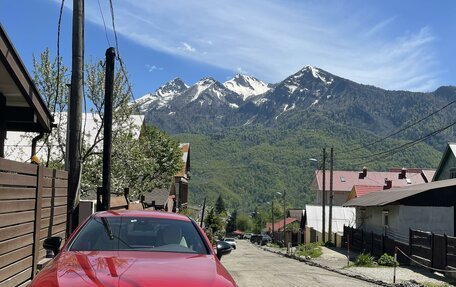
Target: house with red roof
[344,181]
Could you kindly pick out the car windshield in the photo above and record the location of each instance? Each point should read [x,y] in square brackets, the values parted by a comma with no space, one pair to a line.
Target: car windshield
[138,234]
[229,239]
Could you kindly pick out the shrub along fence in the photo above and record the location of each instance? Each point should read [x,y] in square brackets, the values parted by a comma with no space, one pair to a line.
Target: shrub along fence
[33,206]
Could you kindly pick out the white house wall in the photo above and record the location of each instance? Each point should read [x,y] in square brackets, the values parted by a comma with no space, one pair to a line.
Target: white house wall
[426,218]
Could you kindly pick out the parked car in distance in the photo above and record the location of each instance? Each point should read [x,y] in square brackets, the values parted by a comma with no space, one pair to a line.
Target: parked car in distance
[136,248]
[260,239]
[265,239]
[231,241]
[248,236]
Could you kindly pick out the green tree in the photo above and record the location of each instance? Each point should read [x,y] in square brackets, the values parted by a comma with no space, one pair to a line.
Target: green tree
[220,205]
[214,222]
[142,157]
[244,222]
[232,222]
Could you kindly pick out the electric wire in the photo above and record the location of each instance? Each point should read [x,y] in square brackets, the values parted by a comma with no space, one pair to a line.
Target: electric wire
[104,24]
[401,129]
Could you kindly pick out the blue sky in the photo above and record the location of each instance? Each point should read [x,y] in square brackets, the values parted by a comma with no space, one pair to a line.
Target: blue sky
[392,44]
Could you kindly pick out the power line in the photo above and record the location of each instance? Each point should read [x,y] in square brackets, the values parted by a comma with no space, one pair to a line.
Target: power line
[119,58]
[104,23]
[406,145]
[402,129]
[58,58]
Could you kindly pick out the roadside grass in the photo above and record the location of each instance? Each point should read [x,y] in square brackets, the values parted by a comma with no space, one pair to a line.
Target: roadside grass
[312,250]
[364,260]
[273,245]
[430,284]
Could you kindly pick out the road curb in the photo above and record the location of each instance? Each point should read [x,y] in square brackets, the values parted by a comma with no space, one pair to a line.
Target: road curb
[355,276]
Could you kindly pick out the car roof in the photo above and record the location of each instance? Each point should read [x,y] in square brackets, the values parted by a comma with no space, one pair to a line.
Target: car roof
[141,213]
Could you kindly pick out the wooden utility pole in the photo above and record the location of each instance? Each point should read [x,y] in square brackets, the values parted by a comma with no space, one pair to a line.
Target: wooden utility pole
[202,213]
[331,195]
[272,218]
[107,130]
[284,221]
[75,114]
[323,200]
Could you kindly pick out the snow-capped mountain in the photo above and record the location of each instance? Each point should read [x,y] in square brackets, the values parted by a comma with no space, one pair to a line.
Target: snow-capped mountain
[308,94]
[162,96]
[246,86]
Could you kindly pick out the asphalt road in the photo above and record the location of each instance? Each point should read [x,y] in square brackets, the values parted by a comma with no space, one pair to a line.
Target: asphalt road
[250,266]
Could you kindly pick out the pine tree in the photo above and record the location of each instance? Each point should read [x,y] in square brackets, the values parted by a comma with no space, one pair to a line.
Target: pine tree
[220,205]
[231,224]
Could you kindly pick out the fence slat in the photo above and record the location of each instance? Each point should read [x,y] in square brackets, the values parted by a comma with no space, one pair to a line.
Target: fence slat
[16,218]
[17,179]
[18,279]
[17,267]
[37,227]
[7,193]
[15,255]
[15,231]
[19,167]
[11,206]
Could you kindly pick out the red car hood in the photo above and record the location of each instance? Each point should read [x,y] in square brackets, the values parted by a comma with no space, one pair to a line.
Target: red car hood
[162,269]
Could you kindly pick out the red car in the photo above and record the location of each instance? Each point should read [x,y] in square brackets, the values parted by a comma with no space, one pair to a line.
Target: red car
[136,248]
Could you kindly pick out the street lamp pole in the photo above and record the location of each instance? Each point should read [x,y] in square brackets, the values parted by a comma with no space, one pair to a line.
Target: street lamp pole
[284,220]
[272,216]
[323,202]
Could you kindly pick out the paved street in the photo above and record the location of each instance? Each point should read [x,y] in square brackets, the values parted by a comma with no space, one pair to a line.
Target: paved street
[251,266]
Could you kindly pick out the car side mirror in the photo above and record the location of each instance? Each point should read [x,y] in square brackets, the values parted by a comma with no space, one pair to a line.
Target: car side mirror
[223,248]
[53,244]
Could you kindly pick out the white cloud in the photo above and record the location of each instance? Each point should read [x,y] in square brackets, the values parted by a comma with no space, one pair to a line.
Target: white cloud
[273,39]
[152,68]
[240,70]
[187,48]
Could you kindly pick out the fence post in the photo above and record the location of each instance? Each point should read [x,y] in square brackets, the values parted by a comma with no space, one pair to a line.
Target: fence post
[372,242]
[37,224]
[383,244]
[446,249]
[362,240]
[432,249]
[410,241]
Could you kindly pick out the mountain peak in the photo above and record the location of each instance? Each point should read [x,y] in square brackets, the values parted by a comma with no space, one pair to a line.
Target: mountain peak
[246,86]
[316,73]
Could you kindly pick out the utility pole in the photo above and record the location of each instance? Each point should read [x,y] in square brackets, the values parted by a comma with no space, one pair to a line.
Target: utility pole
[323,201]
[75,114]
[331,194]
[284,220]
[107,131]
[202,214]
[272,216]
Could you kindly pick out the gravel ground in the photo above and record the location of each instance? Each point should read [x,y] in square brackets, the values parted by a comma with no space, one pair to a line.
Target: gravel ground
[335,258]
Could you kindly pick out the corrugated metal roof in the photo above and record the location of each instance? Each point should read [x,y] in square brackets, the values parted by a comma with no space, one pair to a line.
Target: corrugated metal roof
[345,180]
[390,196]
[279,224]
[341,216]
[361,190]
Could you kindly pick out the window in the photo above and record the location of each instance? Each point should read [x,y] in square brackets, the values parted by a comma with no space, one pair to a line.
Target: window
[453,172]
[138,234]
[342,179]
[385,220]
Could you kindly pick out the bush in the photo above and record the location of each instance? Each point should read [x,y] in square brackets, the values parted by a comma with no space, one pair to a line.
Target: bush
[386,260]
[312,250]
[364,260]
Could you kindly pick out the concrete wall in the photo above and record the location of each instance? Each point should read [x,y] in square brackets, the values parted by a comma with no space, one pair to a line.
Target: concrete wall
[435,219]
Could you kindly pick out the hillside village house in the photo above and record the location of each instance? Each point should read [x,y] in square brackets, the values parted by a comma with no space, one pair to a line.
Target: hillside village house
[174,197]
[33,198]
[447,165]
[21,106]
[427,207]
[344,181]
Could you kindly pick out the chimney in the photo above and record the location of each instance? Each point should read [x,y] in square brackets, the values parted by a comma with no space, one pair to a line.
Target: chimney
[388,184]
[403,173]
[363,174]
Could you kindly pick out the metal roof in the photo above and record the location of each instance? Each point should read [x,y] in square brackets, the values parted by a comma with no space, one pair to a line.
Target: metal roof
[382,198]
[345,180]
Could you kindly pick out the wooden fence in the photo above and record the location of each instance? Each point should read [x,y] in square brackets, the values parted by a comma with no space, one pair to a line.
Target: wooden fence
[427,248]
[33,206]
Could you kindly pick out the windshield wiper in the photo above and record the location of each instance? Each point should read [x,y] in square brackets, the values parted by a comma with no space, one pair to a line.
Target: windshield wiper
[107,228]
